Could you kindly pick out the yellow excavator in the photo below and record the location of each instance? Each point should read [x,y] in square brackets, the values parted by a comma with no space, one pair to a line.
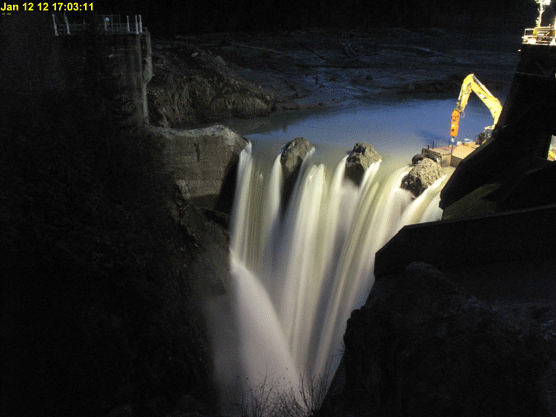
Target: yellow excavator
[472,84]
[450,155]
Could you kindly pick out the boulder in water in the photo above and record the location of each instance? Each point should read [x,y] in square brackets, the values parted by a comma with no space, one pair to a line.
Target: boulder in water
[293,155]
[359,160]
[417,158]
[422,176]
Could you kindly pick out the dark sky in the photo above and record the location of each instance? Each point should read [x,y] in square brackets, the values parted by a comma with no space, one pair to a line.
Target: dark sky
[177,16]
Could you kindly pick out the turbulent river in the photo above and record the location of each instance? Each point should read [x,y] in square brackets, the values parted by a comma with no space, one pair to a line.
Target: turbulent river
[299,270]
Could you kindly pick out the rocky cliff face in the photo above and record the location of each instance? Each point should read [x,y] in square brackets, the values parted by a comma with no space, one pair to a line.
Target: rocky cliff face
[423,347]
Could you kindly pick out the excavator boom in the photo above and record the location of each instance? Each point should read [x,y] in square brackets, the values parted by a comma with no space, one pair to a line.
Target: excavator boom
[472,84]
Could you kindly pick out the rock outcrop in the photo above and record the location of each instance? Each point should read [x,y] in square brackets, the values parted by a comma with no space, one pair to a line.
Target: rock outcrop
[423,347]
[203,164]
[359,160]
[293,155]
[192,86]
[422,176]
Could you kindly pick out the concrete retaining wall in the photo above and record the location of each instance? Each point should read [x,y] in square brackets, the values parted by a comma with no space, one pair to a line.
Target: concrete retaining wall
[513,236]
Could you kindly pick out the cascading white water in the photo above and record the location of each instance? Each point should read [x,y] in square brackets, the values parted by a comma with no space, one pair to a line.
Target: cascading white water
[300,270]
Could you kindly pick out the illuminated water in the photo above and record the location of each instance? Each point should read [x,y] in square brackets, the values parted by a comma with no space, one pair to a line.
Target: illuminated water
[300,270]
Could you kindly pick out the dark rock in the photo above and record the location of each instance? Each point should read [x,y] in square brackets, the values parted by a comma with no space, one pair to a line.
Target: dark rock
[292,157]
[417,158]
[422,176]
[120,343]
[293,154]
[421,345]
[359,160]
[104,290]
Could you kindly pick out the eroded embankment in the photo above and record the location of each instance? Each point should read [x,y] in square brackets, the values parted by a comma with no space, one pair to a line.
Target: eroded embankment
[201,78]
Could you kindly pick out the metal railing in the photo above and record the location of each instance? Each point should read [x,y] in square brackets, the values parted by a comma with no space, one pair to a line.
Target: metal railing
[110,25]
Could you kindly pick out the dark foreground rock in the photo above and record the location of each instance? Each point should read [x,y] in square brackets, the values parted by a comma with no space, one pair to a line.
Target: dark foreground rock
[104,288]
[422,347]
[191,86]
[422,176]
[359,160]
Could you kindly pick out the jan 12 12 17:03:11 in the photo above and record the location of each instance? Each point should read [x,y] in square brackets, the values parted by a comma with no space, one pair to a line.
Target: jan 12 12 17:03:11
[57,7]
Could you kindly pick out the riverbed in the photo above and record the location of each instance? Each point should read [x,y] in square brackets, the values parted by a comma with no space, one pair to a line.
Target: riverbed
[313,70]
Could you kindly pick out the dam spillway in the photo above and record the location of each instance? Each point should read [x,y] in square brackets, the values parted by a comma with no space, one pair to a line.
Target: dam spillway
[298,271]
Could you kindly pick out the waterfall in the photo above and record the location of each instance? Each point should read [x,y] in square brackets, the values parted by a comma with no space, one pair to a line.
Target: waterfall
[300,270]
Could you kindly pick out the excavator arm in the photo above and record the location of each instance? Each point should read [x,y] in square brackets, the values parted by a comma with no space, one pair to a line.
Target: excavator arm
[472,84]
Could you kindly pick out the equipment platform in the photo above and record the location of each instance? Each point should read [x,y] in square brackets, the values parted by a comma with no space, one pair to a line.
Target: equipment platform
[450,155]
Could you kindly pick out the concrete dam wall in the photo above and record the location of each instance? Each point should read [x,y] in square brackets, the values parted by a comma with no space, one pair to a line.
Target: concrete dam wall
[36,60]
